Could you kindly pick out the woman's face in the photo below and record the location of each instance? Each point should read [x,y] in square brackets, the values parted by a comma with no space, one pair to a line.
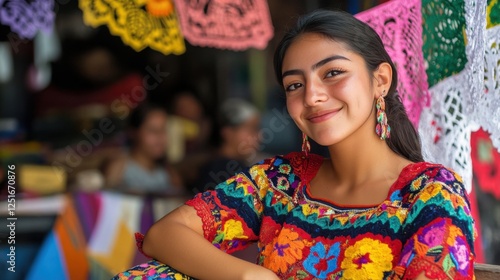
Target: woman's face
[152,135]
[329,90]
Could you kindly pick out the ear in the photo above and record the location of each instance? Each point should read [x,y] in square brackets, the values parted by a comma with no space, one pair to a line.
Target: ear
[382,79]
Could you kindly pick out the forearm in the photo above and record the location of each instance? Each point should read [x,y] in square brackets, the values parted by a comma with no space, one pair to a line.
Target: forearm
[186,250]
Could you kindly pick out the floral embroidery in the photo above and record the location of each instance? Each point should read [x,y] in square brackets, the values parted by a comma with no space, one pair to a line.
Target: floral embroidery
[430,191]
[424,225]
[285,168]
[283,183]
[460,254]
[320,262]
[232,229]
[367,259]
[284,251]
[433,236]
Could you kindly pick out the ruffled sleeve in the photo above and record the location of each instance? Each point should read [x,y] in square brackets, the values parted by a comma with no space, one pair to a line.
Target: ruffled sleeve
[439,230]
[232,213]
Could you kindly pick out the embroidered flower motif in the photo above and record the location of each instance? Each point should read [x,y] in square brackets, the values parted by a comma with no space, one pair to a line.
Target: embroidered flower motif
[321,262]
[434,236]
[231,230]
[367,259]
[416,184]
[396,196]
[283,184]
[284,251]
[446,175]
[430,191]
[460,255]
[285,168]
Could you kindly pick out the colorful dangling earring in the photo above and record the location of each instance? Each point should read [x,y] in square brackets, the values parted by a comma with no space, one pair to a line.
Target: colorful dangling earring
[382,129]
[306,146]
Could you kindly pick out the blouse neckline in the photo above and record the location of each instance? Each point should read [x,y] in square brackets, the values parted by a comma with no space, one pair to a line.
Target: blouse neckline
[402,178]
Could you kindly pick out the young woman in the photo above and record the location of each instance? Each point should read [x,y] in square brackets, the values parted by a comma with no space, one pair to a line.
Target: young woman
[144,169]
[373,210]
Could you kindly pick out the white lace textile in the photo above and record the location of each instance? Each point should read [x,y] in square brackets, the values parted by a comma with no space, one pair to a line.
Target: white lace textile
[460,101]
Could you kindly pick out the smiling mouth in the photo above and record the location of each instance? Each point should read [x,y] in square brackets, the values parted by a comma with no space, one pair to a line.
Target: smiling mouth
[322,115]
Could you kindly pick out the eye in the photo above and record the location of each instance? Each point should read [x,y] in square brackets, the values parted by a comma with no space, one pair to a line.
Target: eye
[333,73]
[293,87]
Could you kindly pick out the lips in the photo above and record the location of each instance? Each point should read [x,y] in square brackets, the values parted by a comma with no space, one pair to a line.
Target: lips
[322,116]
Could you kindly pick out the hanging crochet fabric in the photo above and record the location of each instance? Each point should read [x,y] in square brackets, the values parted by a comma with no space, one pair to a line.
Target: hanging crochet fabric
[487,104]
[399,24]
[26,18]
[139,23]
[235,25]
[454,34]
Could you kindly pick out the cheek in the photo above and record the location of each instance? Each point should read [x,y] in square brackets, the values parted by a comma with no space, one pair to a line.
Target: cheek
[294,107]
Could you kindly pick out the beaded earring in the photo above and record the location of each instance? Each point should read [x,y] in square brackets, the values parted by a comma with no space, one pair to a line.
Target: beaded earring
[382,129]
[306,146]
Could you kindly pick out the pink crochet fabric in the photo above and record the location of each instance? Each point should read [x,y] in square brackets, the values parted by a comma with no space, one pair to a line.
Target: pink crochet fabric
[225,24]
[399,24]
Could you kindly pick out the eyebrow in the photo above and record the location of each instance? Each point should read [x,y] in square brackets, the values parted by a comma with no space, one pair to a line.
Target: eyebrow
[315,66]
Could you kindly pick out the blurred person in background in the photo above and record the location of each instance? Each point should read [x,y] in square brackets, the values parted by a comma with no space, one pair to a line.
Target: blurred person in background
[189,143]
[188,106]
[144,168]
[239,124]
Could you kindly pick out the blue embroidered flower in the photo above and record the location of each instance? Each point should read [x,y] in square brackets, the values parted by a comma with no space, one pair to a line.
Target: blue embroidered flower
[320,262]
[396,196]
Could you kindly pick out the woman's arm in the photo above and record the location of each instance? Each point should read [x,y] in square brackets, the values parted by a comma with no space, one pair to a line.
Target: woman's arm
[177,240]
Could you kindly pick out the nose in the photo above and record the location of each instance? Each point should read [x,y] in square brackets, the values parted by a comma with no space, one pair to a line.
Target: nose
[315,93]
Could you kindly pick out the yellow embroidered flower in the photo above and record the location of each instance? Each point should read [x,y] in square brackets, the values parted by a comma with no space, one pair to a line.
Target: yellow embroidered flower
[306,210]
[453,233]
[233,229]
[285,250]
[343,219]
[367,259]
[258,174]
[430,191]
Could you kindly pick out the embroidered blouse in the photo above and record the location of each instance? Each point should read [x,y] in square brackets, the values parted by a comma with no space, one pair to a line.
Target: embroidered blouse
[423,225]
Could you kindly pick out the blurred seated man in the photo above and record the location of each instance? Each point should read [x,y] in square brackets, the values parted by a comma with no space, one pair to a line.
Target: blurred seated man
[239,123]
[144,168]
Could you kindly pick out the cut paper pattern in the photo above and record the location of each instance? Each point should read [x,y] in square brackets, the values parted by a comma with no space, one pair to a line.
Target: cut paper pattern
[235,25]
[26,18]
[139,23]
[399,24]
[456,82]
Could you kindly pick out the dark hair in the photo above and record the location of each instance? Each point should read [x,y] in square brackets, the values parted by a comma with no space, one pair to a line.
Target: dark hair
[140,113]
[363,40]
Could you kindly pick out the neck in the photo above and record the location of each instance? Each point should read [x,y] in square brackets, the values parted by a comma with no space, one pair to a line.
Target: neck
[142,160]
[363,157]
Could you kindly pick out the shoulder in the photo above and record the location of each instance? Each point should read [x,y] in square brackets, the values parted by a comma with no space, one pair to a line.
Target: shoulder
[434,184]
[285,172]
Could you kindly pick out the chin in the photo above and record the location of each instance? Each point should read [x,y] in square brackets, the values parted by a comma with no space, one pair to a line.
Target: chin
[327,138]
